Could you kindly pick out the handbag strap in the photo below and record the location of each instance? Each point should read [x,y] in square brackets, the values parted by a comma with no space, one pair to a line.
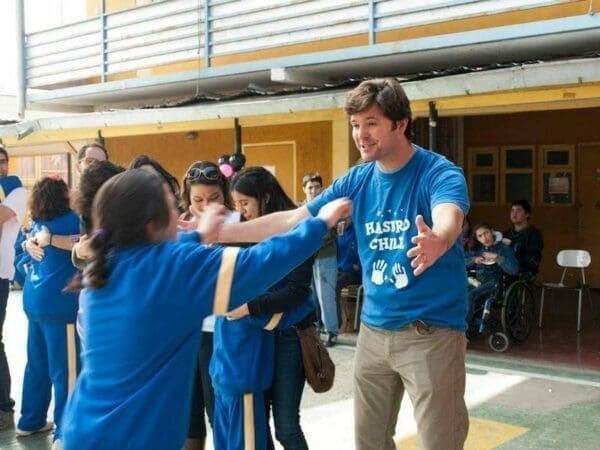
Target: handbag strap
[223,287]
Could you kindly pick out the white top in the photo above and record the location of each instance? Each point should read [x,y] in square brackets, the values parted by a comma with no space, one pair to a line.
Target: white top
[17,202]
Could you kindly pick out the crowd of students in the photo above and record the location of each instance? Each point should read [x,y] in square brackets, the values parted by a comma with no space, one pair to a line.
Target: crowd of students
[133,272]
[174,324]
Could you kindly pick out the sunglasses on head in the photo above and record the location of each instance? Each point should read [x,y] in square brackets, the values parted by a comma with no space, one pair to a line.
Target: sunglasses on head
[209,173]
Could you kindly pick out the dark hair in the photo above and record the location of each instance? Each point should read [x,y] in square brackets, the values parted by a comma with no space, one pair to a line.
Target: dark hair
[49,199]
[523,204]
[3,151]
[218,180]
[82,150]
[387,94]
[123,208]
[91,181]
[481,225]
[312,176]
[259,183]
[145,160]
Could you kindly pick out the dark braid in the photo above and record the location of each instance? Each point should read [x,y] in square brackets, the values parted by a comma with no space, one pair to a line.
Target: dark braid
[123,208]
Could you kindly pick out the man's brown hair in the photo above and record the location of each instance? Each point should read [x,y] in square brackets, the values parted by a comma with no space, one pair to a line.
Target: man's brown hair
[387,94]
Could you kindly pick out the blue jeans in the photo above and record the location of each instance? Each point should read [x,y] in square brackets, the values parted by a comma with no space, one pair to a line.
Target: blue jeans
[6,403]
[325,281]
[475,299]
[203,397]
[286,392]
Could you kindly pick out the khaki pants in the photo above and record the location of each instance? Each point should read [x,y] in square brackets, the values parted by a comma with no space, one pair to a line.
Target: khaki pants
[429,362]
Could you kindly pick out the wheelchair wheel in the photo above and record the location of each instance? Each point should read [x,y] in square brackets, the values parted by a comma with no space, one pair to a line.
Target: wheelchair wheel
[518,311]
[498,341]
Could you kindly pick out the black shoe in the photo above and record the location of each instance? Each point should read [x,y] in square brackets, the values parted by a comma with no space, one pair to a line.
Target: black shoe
[331,340]
[7,420]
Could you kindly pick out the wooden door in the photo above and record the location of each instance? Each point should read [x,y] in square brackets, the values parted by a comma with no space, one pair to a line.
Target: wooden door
[588,207]
[279,158]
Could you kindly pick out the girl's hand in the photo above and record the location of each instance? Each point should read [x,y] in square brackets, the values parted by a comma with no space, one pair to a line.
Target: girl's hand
[489,256]
[43,237]
[238,313]
[211,222]
[184,223]
[83,249]
[34,250]
[334,211]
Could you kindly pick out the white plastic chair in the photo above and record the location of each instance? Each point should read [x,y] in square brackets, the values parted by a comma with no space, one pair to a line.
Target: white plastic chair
[570,259]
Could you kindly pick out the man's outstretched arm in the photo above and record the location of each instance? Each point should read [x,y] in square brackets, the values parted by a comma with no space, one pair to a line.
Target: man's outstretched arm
[262,227]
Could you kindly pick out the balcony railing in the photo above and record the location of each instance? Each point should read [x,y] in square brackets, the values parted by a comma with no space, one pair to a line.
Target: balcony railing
[176,31]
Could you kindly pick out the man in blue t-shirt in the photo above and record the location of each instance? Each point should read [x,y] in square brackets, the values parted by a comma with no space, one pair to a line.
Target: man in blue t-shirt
[409,207]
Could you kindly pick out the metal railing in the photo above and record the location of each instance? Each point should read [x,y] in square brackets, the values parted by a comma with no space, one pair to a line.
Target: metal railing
[175,31]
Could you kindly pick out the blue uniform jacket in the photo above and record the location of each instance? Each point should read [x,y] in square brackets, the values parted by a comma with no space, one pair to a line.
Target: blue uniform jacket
[243,359]
[506,263]
[143,330]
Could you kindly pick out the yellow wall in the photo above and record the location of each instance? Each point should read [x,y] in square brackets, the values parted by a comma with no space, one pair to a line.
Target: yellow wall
[558,223]
[313,147]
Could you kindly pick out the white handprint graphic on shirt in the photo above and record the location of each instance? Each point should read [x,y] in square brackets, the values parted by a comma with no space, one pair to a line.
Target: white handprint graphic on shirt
[400,277]
[378,269]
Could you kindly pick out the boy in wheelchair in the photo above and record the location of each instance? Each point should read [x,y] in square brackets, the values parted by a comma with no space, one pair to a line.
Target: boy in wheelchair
[490,261]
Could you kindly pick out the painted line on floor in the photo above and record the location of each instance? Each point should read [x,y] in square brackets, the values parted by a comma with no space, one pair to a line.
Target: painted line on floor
[483,433]
[571,378]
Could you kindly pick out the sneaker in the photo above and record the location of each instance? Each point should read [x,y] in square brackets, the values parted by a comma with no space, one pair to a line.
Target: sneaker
[331,340]
[7,420]
[22,433]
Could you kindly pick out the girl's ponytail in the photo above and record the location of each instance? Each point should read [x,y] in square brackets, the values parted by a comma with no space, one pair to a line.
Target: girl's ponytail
[95,274]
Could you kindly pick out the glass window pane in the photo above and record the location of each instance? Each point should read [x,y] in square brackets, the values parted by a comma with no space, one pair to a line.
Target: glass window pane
[484,188]
[26,166]
[519,186]
[558,187]
[55,165]
[519,159]
[557,158]
[484,160]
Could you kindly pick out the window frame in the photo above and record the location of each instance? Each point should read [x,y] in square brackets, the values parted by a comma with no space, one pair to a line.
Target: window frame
[557,168]
[504,171]
[472,153]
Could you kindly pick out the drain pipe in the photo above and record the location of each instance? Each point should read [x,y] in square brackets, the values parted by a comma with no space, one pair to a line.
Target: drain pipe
[433,117]
[21,80]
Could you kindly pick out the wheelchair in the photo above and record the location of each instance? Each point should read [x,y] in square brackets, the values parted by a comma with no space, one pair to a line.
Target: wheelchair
[506,314]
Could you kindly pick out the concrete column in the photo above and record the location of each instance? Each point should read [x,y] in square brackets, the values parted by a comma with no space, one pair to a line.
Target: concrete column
[343,150]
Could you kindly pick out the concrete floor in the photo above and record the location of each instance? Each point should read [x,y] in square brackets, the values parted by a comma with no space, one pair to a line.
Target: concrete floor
[512,405]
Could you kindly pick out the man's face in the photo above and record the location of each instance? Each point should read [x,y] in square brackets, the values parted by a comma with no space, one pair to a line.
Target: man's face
[312,189]
[485,236]
[376,137]
[3,165]
[91,154]
[518,216]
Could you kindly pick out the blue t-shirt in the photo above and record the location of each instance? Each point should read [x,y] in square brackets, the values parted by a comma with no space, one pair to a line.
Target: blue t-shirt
[385,208]
[43,296]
